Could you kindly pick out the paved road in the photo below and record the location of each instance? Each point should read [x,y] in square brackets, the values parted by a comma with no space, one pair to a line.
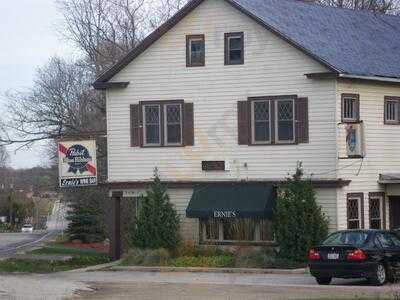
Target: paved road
[10,243]
[196,286]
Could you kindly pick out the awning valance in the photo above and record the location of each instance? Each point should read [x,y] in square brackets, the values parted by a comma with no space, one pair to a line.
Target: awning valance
[392,178]
[232,201]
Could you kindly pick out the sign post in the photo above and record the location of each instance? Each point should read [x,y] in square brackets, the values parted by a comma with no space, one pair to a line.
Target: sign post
[77,163]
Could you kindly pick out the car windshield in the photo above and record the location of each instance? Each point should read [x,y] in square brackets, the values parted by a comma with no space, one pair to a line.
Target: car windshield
[27,226]
[354,238]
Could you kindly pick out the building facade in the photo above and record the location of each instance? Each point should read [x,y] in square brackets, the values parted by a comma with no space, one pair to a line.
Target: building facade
[224,104]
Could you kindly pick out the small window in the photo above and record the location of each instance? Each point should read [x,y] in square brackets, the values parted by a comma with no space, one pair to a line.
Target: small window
[173,127]
[152,124]
[354,211]
[234,48]
[392,110]
[284,121]
[376,212]
[350,108]
[195,51]
[261,120]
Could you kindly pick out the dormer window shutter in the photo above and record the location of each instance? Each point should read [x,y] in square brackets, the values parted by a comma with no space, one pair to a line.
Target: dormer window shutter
[188,125]
[135,125]
[243,123]
[302,127]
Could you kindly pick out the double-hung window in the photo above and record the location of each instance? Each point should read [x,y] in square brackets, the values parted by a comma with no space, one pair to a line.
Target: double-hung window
[355,211]
[261,120]
[377,211]
[173,124]
[350,108]
[195,50]
[273,120]
[162,123]
[234,48]
[392,110]
[152,124]
[284,129]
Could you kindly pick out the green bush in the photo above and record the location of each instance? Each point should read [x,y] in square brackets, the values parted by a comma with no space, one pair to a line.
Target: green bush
[158,221]
[146,257]
[221,261]
[158,257]
[299,222]
[86,216]
[253,259]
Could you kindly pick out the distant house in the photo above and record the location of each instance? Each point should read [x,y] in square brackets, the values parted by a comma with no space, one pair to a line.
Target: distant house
[228,95]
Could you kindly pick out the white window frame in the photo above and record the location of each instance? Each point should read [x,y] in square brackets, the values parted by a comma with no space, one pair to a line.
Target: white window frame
[277,140]
[381,208]
[166,124]
[253,127]
[145,126]
[359,219]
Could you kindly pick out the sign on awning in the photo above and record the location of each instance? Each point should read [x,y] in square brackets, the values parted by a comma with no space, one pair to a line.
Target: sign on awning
[77,163]
[242,200]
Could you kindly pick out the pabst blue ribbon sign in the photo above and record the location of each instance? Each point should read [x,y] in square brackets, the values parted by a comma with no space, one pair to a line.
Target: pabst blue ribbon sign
[77,163]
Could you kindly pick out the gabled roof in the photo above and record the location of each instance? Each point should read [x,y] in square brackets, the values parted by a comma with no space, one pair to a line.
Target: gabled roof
[352,42]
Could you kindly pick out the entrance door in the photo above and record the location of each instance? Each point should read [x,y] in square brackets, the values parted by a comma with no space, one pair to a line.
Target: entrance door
[394,210]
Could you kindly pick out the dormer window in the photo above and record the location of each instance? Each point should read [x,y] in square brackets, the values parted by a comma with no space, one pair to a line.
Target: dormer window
[350,108]
[195,51]
[234,48]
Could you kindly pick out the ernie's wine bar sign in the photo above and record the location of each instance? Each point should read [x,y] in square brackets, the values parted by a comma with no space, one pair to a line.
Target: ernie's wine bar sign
[77,163]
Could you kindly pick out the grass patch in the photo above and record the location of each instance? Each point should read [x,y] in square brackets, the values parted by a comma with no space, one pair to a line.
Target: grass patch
[80,259]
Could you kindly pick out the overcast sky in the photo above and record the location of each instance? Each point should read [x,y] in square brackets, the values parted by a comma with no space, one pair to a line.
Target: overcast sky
[28,38]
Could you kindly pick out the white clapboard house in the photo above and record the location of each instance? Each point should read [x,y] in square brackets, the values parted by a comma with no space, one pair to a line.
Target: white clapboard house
[228,95]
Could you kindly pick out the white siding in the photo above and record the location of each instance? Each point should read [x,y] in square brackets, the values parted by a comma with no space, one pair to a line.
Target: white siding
[272,67]
[382,145]
[326,198]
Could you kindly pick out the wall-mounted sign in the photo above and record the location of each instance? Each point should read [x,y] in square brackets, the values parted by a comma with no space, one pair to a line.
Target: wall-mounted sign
[77,163]
[225,214]
[213,165]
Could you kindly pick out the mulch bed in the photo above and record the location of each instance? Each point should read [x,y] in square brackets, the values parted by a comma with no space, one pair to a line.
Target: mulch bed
[100,247]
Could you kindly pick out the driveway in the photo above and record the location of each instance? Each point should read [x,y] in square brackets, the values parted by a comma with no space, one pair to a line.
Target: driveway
[146,285]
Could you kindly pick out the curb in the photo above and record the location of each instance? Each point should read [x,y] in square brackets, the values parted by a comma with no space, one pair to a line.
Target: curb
[208,270]
[95,268]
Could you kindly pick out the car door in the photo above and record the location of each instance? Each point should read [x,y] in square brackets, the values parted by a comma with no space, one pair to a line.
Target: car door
[396,252]
[391,251]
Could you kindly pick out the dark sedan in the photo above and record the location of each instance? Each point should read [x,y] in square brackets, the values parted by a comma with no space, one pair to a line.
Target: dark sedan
[371,254]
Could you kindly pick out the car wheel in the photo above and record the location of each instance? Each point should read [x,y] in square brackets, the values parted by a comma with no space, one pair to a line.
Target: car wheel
[380,275]
[323,280]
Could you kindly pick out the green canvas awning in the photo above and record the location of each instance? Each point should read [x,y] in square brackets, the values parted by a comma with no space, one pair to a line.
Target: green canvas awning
[230,201]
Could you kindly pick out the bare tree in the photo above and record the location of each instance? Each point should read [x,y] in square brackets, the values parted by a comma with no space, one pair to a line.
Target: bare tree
[59,103]
[381,6]
[4,157]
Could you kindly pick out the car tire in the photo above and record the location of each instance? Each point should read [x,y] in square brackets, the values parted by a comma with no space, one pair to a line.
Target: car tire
[323,280]
[380,275]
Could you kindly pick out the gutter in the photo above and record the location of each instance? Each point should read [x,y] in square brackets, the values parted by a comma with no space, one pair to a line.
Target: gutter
[371,78]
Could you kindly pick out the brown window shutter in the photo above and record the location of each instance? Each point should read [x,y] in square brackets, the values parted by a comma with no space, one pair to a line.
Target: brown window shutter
[302,135]
[188,126]
[243,123]
[135,125]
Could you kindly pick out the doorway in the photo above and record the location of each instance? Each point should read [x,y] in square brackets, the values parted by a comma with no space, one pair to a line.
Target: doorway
[394,211]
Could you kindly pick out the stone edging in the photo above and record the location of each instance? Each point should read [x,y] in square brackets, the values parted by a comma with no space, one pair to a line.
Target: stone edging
[207,270]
